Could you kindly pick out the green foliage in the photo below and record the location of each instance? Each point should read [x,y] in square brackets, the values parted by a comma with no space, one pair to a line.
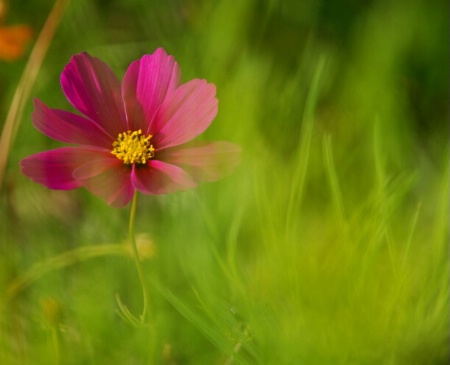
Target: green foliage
[328,245]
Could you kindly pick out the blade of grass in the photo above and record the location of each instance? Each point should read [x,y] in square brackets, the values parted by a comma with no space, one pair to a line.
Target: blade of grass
[381,190]
[334,186]
[61,261]
[194,318]
[29,76]
[299,176]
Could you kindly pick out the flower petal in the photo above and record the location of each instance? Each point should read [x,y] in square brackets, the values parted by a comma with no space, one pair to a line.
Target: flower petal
[146,84]
[205,161]
[68,127]
[92,88]
[185,114]
[54,169]
[13,41]
[110,181]
[96,167]
[158,177]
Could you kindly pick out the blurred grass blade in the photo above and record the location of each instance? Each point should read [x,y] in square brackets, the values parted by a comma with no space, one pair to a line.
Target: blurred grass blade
[126,315]
[27,81]
[299,174]
[334,185]
[209,331]
[61,261]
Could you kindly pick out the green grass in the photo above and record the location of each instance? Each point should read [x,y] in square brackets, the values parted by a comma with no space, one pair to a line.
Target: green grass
[329,243]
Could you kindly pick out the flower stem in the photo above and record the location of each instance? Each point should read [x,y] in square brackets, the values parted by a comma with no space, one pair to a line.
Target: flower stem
[143,319]
[137,260]
[55,345]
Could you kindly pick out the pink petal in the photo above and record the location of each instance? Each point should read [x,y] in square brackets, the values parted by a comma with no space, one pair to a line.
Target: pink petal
[158,177]
[146,84]
[54,169]
[205,161]
[68,127]
[92,88]
[96,167]
[185,114]
[110,182]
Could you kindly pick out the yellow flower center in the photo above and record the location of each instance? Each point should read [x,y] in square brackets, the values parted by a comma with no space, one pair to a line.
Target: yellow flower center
[133,147]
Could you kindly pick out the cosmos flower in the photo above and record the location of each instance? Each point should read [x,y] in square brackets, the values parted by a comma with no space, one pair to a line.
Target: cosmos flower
[134,135]
[13,39]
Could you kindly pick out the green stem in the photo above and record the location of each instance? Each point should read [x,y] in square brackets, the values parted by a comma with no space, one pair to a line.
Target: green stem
[145,310]
[55,344]
[137,261]
[61,261]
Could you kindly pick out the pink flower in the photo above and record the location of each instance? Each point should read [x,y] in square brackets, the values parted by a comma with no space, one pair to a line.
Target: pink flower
[132,136]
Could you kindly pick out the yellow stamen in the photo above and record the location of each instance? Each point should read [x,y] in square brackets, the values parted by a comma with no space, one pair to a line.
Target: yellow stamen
[133,147]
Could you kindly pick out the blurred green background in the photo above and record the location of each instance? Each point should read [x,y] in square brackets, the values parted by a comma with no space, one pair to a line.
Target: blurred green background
[328,245]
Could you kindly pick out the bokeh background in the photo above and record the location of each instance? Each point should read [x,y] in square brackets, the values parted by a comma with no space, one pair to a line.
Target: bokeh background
[329,243]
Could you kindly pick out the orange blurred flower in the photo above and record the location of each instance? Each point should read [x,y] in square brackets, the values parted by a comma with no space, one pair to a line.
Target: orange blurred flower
[13,39]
